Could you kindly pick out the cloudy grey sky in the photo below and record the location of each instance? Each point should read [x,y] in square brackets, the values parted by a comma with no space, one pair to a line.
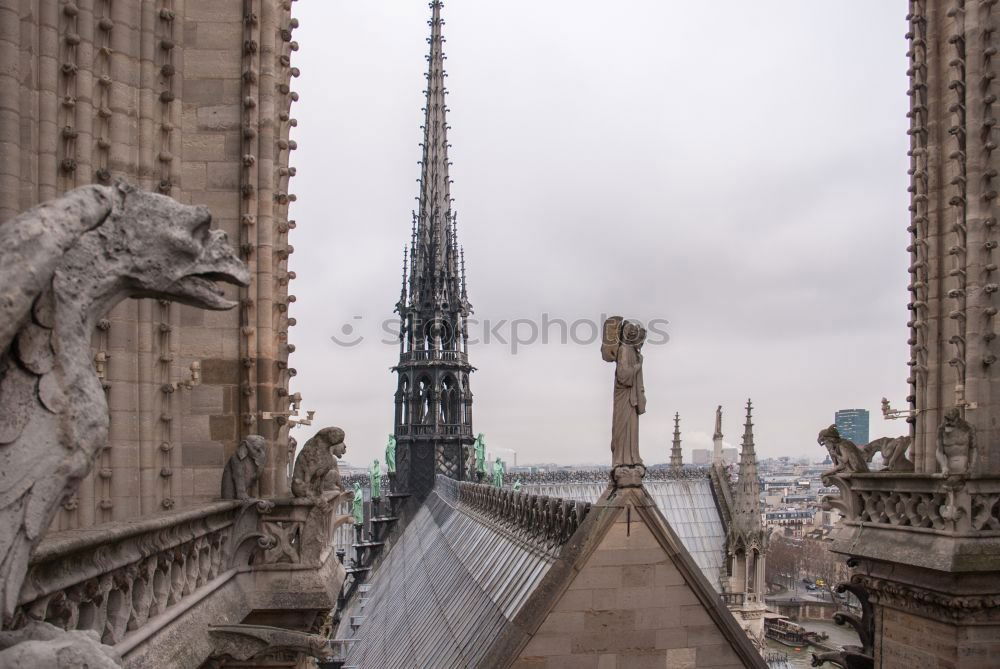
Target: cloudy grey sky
[735,168]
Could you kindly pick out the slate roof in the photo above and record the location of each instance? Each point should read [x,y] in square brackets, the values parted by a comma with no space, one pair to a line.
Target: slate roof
[688,505]
[448,588]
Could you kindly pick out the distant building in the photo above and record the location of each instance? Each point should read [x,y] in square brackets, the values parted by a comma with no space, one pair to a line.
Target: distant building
[701,456]
[730,456]
[853,424]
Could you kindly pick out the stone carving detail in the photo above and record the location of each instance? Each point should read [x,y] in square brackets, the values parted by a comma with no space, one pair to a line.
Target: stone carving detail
[63,266]
[952,608]
[853,657]
[545,521]
[844,454]
[954,505]
[317,461]
[243,469]
[902,508]
[986,511]
[44,645]
[115,587]
[622,344]
[893,451]
[956,445]
[248,642]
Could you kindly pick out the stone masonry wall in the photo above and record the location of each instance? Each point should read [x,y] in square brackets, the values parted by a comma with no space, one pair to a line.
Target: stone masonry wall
[629,607]
[190,98]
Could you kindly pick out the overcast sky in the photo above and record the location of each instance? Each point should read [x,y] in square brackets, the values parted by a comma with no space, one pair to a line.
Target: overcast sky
[735,168]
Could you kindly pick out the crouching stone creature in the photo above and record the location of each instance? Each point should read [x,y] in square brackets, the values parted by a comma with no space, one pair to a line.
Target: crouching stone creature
[316,463]
[243,469]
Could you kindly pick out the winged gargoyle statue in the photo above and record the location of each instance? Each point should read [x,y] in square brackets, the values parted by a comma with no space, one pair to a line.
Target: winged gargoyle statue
[63,265]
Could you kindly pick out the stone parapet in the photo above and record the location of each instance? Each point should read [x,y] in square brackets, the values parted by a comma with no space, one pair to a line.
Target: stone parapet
[156,583]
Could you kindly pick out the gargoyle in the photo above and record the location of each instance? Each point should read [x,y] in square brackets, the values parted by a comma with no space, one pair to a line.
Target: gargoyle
[893,450]
[63,265]
[316,461]
[243,468]
[846,456]
[956,446]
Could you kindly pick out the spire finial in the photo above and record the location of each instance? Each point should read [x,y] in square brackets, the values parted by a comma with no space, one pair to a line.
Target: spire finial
[676,454]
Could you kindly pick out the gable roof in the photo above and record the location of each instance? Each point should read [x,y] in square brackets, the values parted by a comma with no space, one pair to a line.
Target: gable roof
[474,582]
[688,504]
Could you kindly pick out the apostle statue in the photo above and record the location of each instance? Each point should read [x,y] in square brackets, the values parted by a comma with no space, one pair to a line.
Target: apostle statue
[358,505]
[376,476]
[481,453]
[390,455]
[498,473]
[622,344]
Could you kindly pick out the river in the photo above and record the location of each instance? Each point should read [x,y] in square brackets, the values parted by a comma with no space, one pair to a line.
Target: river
[802,657]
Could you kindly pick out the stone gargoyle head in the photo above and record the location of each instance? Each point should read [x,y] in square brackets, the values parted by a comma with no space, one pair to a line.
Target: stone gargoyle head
[254,447]
[162,249]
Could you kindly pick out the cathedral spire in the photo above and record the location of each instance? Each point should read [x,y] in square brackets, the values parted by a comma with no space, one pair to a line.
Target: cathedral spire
[676,455]
[435,281]
[433,403]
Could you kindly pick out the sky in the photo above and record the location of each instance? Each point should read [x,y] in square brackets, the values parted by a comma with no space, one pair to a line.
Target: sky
[731,172]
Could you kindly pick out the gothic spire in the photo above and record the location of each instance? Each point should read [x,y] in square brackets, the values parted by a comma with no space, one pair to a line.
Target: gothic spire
[676,455]
[747,498]
[434,271]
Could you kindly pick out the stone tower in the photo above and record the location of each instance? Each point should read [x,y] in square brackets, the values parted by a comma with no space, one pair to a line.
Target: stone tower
[433,420]
[192,100]
[923,537]
[747,540]
[676,455]
[717,437]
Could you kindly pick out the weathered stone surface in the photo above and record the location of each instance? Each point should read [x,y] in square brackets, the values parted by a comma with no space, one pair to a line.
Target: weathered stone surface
[65,264]
[244,467]
[44,645]
[316,461]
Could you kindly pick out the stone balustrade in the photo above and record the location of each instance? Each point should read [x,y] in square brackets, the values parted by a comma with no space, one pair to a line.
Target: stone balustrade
[926,502]
[130,581]
[545,521]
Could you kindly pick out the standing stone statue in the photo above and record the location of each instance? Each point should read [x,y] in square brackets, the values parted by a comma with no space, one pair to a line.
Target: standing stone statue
[622,344]
[956,448]
[376,476]
[498,473]
[316,461]
[63,265]
[390,455]
[243,469]
[358,505]
[481,454]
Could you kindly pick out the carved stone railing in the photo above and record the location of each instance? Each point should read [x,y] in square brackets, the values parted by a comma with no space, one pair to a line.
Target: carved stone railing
[922,502]
[548,522]
[113,579]
[733,599]
[117,578]
[431,430]
[420,356]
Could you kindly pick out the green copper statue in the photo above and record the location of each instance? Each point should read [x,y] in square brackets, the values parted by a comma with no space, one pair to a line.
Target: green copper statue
[498,473]
[376,474]
[390,455]
[358,505]
[517,485]
[480,453]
